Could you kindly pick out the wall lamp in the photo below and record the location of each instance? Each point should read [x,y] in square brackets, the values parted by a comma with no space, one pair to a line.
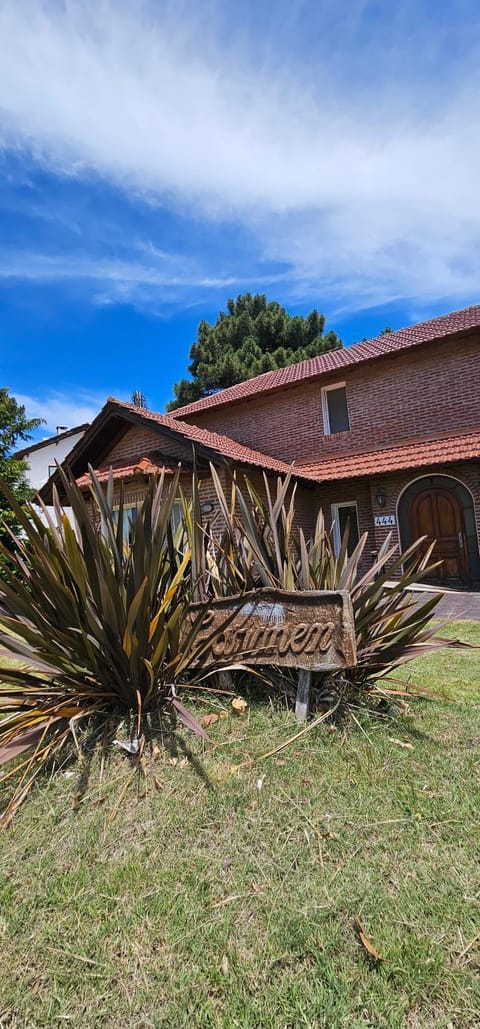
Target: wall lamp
[380,497]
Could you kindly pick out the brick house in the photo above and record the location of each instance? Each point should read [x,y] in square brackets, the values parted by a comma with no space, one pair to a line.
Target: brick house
[385,433]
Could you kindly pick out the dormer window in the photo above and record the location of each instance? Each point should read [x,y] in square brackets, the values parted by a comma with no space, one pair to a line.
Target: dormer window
[335,409]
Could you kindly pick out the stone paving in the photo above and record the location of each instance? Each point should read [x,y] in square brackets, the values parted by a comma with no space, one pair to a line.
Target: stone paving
[456,604]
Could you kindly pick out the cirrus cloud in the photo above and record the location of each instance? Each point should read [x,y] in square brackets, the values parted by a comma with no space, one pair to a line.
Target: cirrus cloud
[361,179]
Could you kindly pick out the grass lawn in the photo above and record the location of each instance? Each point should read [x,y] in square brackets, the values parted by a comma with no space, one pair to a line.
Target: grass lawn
[203,900]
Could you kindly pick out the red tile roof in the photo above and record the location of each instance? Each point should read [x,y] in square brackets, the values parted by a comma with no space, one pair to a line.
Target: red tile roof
[213,441]
[454,324]
[414,454]
[128,471]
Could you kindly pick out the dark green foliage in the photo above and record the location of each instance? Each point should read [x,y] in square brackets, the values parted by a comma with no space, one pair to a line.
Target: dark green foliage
[385,332]
[251,337]
[14,426]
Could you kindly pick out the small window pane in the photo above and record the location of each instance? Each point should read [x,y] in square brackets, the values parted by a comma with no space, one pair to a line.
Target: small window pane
[347,515]
[337,409]
[176,515]
[129,519]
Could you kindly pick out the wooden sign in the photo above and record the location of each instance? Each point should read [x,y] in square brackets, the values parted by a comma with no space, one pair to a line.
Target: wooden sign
[312,630]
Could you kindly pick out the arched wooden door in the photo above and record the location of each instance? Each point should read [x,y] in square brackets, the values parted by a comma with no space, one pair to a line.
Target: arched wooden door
[438,514]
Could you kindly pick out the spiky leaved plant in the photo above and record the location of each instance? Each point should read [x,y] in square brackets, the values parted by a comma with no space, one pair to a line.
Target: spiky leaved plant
[97,620]
[261,546]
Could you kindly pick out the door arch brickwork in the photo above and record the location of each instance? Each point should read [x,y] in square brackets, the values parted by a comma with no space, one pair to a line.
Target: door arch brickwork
[442,508]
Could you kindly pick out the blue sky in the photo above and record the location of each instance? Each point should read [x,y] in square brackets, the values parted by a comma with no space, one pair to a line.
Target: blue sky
[159,158]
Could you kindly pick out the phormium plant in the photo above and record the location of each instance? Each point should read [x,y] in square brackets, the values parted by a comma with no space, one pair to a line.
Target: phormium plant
[97,620]
[260,545]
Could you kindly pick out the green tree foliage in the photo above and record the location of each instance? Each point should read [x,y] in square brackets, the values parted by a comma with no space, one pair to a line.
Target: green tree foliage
[251,337]
[14,426]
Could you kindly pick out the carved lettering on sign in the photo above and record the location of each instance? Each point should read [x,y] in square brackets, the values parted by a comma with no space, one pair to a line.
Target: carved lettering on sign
[312,630]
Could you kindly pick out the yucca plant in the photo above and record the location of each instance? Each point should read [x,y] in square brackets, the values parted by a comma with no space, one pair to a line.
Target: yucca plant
[261,546]
[96,618]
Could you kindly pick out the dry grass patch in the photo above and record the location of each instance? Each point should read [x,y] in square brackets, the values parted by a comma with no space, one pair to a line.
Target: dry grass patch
[213,902]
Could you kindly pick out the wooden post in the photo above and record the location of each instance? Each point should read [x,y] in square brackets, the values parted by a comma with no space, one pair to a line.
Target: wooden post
[302,702]
[225,680]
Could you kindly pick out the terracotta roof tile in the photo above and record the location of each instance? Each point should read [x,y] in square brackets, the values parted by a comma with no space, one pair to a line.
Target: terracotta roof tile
[414,454]
[127,471]
[458,322]
[222,445]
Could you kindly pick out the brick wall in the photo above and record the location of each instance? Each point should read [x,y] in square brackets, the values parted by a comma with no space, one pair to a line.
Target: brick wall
[363,492]
[348,493]
[394,486]
[138,442]
[429,389]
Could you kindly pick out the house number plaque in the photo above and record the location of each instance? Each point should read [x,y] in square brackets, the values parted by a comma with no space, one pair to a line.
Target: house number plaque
[386,519]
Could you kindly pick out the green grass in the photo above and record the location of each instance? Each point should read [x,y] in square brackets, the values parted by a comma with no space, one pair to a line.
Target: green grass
[210,902]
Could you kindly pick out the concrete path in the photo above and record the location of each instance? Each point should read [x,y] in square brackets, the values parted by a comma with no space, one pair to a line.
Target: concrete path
[455,605]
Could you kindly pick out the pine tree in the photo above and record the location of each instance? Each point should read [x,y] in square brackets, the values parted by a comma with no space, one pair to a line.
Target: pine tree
[252,336]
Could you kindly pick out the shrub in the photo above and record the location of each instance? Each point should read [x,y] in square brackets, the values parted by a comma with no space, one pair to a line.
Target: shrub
[96,617]
[259,545]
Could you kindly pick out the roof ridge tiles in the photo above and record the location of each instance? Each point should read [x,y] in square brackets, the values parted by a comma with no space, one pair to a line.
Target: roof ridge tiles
[223,445]
[452,324]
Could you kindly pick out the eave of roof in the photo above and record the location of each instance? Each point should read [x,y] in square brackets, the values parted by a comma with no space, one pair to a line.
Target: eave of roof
[205,444]
[412,454]
[213,442]
[51,439]
[145,466]
[455,324]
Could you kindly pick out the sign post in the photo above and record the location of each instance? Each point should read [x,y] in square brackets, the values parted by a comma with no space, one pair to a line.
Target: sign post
[312,630]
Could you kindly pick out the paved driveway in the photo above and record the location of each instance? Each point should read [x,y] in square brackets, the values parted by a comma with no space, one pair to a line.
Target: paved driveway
[456,604]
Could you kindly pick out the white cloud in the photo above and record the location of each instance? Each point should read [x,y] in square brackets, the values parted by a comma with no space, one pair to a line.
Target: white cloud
[61,409]
[366,186]
[160,279]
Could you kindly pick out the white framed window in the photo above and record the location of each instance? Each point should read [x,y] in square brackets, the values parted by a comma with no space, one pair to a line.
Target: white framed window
[129,518]
[176,515]
[130,512]
[335,409]
[343,515]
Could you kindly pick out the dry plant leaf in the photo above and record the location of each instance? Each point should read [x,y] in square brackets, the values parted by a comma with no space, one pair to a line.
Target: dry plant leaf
[209,720]
[401,743]
[239,705]
[158,785]
[364,940]
[173,761]
[156,752]
[280,762]
[225,965]
[183,763]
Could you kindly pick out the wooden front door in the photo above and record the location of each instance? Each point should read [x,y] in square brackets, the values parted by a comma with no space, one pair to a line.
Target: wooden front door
[437,514]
